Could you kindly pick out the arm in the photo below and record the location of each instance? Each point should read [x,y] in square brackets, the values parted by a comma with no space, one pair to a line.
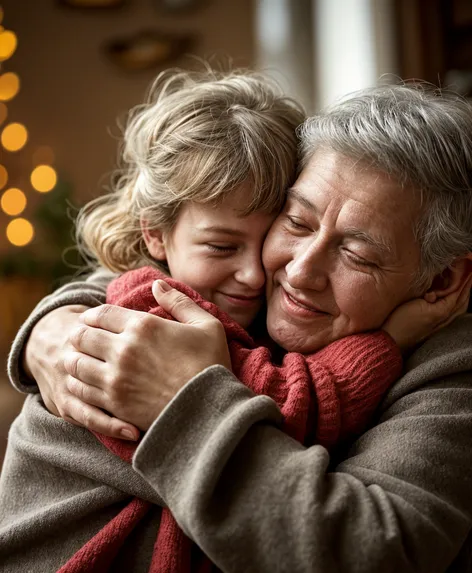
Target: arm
[400,501]
[78,295]
[58,487]
[38,352]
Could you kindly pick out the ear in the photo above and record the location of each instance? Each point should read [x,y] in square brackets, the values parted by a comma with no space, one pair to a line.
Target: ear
[452,279]
[155,241]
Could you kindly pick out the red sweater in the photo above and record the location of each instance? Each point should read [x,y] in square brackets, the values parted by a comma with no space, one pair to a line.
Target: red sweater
[330,395]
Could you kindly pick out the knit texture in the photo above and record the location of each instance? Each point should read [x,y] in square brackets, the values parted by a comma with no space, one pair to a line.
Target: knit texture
[329,396]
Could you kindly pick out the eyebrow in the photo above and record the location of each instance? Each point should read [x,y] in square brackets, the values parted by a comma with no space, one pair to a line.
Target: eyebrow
[223,230]
[294,194]
[378,243]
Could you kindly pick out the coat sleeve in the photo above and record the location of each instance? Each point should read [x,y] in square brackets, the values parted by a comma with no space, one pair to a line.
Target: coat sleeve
[58,487]
[90,291]
[256,500]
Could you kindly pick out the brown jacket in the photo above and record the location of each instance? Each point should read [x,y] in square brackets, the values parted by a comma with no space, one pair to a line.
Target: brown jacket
[400,500]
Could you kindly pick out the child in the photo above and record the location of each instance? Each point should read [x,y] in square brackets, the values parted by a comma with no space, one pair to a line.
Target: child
[207,162]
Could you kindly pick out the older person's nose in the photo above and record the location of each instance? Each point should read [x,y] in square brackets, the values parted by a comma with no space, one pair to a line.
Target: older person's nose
[308,268]
[251,272]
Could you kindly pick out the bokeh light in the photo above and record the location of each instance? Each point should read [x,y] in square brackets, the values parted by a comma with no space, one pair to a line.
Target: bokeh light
[3,112]
[44,155]
[9,86]
[8,44]
[13,201]
[14,136]
[43,178]
[20,232]
[3,176]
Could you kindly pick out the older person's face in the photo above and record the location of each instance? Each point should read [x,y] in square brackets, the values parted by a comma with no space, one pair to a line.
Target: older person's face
[341,255]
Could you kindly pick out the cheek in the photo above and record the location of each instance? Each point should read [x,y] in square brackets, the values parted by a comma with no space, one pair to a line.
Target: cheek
[197,272]
[361,301]
[275,251]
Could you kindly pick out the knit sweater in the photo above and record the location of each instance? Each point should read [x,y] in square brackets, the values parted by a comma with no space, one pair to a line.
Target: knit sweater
[334,391]
[346,380]
[253,498]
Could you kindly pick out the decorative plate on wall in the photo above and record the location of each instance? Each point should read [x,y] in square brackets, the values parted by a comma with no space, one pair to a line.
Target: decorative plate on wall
[93,3]
[147,49]
[178,5]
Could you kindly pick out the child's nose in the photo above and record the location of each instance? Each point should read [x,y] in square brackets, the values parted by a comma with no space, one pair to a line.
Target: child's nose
[251,273]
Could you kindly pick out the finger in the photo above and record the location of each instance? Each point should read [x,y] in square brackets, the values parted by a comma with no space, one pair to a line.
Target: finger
[110,318]
[86,368]
[177,304]
[92,418]
[94,342]
[88,394]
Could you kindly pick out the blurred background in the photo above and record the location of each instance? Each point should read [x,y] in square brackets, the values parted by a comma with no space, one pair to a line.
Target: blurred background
[70,68]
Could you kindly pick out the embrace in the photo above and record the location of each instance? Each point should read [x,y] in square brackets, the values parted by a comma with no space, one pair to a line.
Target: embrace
[270,368]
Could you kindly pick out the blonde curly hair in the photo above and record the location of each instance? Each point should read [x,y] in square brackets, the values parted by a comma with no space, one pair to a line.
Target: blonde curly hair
[198,137]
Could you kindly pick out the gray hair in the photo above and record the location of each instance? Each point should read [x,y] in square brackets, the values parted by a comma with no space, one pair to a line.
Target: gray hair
[420,136]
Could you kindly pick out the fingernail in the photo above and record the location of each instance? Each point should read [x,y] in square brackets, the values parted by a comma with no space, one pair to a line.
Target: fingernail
[162,285]
[127,435]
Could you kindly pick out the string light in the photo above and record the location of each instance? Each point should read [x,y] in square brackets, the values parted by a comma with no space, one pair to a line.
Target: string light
[8,44]
[43,178]
[3,176]
[20,232]
[9,86]
[13,201]
[14,136]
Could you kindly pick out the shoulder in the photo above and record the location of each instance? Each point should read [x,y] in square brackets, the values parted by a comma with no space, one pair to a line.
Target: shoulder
[443,359]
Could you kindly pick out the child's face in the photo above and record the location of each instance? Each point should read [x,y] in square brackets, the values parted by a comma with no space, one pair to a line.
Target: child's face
[218,253]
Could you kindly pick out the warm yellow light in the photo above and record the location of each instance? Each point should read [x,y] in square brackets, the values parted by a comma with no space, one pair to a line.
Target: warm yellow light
[3,176]
[13,201]
[44,155]
[43,178]
[8,43]
[20,232]
[14,136]
[3,112]
[9,86]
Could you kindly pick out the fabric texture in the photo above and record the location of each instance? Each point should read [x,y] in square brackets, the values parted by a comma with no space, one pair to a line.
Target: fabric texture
[343,384]
[397,500]
[255,500]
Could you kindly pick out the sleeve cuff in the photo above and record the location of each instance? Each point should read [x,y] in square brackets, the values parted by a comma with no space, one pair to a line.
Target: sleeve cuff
[209,414]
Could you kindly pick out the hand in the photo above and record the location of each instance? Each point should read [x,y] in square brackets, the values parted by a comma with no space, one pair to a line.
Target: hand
[133,363]
[43,360]
[417,319]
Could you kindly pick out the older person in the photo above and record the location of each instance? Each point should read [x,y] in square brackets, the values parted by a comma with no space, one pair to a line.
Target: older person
[380,214]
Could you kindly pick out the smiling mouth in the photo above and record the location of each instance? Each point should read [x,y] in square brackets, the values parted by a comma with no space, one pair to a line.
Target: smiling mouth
[300,307]
[242,300]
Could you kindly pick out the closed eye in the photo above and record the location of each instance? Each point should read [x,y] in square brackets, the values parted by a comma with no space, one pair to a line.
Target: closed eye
[296,224]
[358,261]
[221,248]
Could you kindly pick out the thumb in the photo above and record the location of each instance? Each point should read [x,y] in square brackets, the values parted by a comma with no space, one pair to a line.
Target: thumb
[179,305]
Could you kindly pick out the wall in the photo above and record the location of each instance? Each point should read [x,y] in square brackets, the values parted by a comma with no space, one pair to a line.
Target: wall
[71,94]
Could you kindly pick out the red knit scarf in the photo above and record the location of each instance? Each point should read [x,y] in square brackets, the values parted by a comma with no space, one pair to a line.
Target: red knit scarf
[293,386]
